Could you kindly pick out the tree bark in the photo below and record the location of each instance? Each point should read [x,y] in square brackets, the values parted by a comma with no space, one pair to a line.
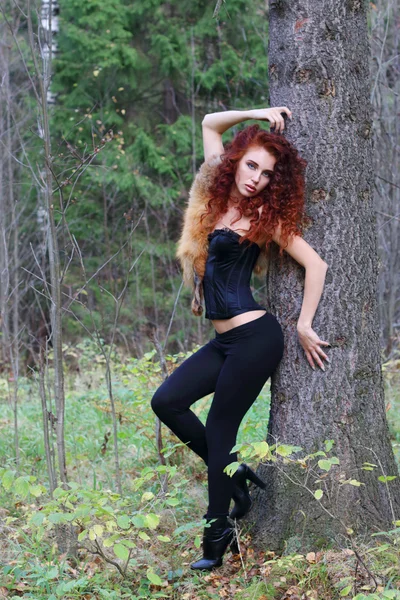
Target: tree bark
[4,271]
[319,67]
[43,78]
[9,252]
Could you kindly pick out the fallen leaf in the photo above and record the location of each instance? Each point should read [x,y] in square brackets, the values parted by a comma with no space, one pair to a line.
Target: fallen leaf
[311,557]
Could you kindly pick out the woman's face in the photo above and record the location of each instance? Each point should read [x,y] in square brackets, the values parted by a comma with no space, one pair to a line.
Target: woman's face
[253,172]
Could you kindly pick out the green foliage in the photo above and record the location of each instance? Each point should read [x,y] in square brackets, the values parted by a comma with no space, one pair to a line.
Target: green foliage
[116,68]
[144,516]
[153,531]
[132,83]
[315,483]
[107,524]
[387,594]
[122,149]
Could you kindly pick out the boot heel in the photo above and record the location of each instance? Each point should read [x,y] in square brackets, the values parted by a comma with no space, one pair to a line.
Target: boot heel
[234,547]
[216,538]
[255,479]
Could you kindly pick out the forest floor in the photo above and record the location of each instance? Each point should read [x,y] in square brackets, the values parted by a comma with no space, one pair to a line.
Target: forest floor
[140,544]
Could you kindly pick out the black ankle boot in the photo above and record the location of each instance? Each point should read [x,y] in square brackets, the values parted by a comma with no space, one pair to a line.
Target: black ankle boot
[216,538]
[240,493]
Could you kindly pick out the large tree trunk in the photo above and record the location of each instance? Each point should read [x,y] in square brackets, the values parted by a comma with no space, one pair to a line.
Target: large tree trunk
[319,68]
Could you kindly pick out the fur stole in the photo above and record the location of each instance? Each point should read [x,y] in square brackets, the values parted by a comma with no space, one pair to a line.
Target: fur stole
[192,246]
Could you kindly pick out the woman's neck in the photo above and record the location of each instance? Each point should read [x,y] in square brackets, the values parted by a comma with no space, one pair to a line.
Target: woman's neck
[234,197]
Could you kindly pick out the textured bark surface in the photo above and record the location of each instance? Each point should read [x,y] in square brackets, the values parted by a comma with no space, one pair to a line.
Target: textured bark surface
[319,68]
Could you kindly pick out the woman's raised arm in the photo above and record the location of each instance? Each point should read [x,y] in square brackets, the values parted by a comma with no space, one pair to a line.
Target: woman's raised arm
[215,124]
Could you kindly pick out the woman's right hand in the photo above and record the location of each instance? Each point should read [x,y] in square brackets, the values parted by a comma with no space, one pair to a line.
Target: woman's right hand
[273,115]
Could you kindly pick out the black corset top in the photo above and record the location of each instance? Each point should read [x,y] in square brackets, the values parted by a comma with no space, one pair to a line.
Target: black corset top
[226,282]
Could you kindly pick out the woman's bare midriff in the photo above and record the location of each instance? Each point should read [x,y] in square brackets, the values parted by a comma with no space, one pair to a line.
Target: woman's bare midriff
[222,325]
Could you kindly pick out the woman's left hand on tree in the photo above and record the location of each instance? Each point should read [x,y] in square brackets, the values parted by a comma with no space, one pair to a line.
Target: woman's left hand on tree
[311,343]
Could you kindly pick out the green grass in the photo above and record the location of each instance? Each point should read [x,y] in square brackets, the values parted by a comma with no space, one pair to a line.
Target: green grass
[30,565]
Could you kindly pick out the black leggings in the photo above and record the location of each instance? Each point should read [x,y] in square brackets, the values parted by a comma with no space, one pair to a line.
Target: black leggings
[235,366]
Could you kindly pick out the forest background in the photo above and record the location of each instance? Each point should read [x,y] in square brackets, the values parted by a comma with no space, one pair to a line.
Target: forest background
[129,88]
[130,84]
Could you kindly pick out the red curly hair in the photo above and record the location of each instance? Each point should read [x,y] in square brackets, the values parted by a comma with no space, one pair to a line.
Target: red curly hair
[283,196]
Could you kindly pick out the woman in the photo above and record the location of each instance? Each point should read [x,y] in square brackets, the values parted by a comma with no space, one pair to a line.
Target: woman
[244,197]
